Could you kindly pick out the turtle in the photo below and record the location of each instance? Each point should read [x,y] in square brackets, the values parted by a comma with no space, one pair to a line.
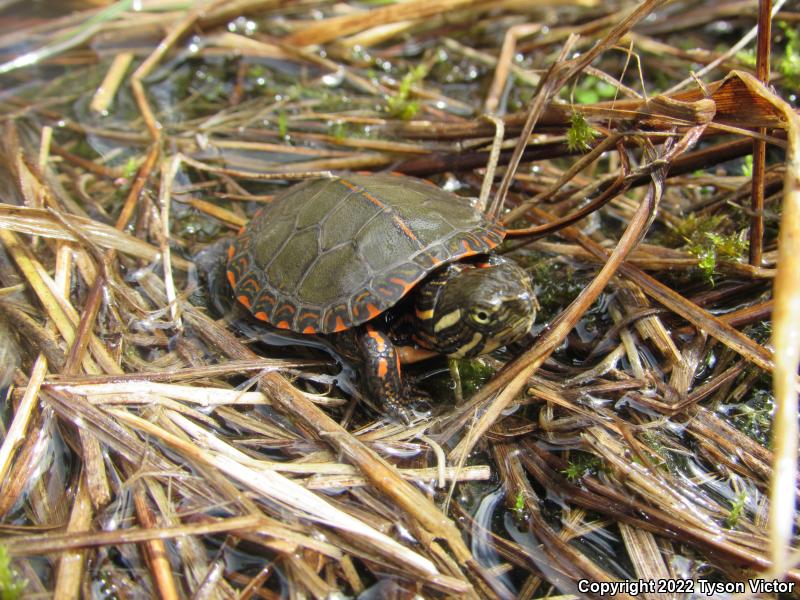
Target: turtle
[378,262]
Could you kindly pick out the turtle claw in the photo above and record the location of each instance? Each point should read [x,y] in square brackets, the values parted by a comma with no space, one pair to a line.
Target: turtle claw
[416,405]
[402,414]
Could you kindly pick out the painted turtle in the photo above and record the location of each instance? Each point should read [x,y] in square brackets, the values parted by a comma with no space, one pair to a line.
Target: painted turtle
[336,254]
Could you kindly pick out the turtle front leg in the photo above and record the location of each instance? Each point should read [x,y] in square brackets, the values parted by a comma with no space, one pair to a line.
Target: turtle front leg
[381,378]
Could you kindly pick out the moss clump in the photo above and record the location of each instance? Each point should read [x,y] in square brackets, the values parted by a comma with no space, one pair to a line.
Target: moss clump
[747,57]
[747,166]
[11,585]
[754,416]
[283,123]
[519,502]
[789,64]
[556,285]
[592,89]
[737,508]
[474,373]
[701,238]
[400,105]
[581,464]
[580,134]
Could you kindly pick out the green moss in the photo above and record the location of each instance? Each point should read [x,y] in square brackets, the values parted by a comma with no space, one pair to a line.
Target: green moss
[195,225]
[342,130]
[737,508]
[519,502]
[653,442]
[130,167]
[326,99]
[581,464]
[400,105]
[706,261]
[701,238]
[439,384]
[747,57]
[671,462]
[337,130]
[256,72]
[592,89]
[714,247]
[789,63]
[753,417]
[556,285]
[11,585]
[747,166]
[474,373]
[580,134]
[728,246]
[283,123]
[694,228]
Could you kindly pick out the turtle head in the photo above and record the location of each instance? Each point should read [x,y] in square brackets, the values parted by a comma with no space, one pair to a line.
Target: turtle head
[470,310]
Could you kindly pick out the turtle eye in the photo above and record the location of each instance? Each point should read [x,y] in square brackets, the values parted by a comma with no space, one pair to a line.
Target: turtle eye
[480,316]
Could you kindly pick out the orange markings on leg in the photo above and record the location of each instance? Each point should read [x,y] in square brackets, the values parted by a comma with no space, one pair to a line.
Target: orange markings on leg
[383,368]
[378,339]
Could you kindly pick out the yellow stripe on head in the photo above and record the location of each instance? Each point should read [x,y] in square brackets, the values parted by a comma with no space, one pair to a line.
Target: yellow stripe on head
[447,320]
[462,351]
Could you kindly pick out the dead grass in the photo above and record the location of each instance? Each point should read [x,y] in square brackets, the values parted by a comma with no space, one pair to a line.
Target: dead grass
[648,430]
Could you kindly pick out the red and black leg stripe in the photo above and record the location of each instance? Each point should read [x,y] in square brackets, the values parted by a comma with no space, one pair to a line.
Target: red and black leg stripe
[382,379]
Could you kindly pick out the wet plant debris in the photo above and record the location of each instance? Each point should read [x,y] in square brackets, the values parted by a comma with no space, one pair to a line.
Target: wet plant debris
[157,441]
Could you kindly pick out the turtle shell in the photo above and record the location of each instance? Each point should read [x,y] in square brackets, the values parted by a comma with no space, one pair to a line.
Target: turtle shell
[330,254]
